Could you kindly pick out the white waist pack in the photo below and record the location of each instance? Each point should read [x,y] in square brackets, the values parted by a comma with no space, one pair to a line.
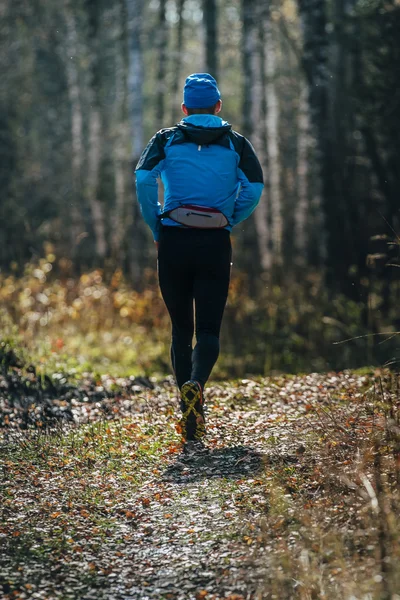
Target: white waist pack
[199,217]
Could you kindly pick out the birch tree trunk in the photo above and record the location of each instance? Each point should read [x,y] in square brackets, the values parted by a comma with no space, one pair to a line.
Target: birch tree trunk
[162,46]
[77,149]
[210,17]
[94,158]
[272,136]
[177,66]
[303,157]
[135,76]
[257,90]
[122,214]
[135,104]
[95,138]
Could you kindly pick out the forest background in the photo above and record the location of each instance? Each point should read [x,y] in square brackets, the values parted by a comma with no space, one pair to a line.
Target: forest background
[312,83]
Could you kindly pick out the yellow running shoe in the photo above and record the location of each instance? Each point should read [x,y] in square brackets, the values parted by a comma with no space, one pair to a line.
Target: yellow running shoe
[192,421]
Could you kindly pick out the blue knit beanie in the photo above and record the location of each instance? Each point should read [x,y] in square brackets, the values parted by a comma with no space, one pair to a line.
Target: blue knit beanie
[200,91]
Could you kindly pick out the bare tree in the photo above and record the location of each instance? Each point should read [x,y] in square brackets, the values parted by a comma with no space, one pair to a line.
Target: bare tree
[210,18]
[77,148]
[272,135]
[303,190]
[95,146]
[315,57]
[249,43]
[123,211]
[254,43]
[135,10]
[162,45]
[136,75]
[177,61]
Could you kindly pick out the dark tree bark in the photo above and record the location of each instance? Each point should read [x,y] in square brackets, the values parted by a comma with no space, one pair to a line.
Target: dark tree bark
[315,61]
[210,16]
[377,100]
[249,43]
[254,114]
[332,127]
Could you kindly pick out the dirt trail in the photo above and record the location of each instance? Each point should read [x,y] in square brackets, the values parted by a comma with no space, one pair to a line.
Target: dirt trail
[172,528]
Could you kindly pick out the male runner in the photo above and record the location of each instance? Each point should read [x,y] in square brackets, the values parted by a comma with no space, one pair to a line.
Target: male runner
[212,181]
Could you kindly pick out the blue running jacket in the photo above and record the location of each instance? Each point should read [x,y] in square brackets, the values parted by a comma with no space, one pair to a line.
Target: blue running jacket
[201,161]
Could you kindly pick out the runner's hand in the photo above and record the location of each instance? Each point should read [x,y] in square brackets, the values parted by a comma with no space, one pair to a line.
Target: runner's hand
[157,245]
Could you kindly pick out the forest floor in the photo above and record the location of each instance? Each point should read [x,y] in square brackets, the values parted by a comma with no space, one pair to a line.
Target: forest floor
[297,497]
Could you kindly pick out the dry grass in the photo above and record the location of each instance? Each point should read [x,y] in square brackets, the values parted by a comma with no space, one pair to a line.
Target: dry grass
[336,533]
[99,323]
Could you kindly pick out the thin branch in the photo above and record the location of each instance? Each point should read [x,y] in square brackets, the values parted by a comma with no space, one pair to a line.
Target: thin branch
[358,337]
[389,338]
[389,225]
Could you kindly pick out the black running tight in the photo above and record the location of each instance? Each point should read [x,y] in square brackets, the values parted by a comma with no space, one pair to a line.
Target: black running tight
[194,271]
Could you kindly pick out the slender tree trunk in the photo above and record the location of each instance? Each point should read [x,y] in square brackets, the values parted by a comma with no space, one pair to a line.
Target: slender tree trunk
[94,158]
[249,43]
[309,228]
[119,221]
[122,214]
[177,63]
[272,134]
[77,150]
[315,45]
[162,46]
[135,104]
[252,107]
[210,16]
[95,145]
[257,66]
[136,75]
[339,130]
[303,157]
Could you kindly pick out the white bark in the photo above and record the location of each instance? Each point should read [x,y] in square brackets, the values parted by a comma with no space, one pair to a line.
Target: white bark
[272,133]
[303,156]
[77,151]
[122,213]
[74,97]
[135,76]
[177,59]
[135,104]
[96,206]
[84,154]
[120,222]
[255,49]
[261,214]
[161,47]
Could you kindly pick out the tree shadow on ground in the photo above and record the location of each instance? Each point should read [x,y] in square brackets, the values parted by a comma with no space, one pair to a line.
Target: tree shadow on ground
[235,462]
